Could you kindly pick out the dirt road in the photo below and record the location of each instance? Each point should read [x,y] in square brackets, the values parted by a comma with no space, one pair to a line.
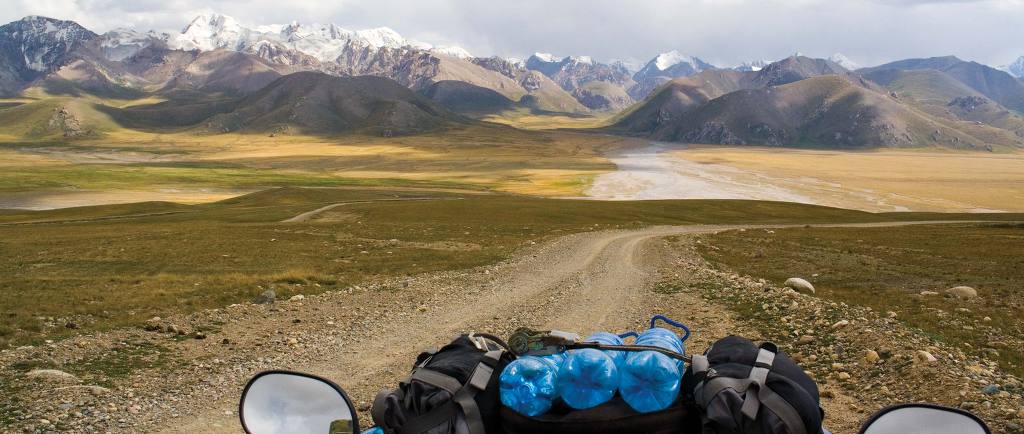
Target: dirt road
[584,282]
[365,339]
[306,216]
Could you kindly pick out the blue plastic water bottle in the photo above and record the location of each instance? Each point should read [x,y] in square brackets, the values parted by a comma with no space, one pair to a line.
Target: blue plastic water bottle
[606,338]
[649,381]
[587,378]
[530,384]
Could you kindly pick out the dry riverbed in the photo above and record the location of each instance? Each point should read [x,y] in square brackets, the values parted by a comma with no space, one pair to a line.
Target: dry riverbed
[884,180]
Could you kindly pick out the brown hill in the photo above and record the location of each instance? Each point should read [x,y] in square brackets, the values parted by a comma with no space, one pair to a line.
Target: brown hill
[317,103]
[945,97]
[462,97]
[997,85]
[827,111]
[679,96]
[792,69]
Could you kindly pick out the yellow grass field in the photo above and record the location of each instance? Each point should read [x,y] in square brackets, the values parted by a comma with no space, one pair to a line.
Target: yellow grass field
[129,166]
[527,120]
[919,180]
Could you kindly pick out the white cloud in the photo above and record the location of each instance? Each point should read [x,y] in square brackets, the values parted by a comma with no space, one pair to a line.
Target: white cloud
[721,31]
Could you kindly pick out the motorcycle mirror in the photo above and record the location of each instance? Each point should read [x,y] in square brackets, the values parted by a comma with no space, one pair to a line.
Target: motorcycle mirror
[923,419]
[283,402]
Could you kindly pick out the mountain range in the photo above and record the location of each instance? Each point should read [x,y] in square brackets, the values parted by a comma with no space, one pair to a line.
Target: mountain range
[800,101]
[217,75]
[571,84]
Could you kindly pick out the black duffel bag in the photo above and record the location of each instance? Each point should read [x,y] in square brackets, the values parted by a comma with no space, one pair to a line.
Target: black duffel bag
[614,416]
[738,387]
[453,390]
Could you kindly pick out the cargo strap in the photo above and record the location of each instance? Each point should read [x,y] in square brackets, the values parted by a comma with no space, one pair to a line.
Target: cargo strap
[463,396]
[753,388]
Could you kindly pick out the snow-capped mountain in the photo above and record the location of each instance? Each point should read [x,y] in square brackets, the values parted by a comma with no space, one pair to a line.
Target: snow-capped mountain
[665,67]
[545,57]
[631,66]
[752,66]
[672,58]
[672,64]
[452,50]
[516,61]
[1015,69]
[35,44]
[325,42]
[844,61]
[122,43]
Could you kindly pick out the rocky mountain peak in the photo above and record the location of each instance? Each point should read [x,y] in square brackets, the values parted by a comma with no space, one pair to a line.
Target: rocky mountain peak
[544,57]
[122,43]
[36,44]
[664,67]
[209,32]
[672,64]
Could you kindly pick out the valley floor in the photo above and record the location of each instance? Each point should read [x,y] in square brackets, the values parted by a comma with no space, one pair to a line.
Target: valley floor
[127,167]
[886,180]
[130,166]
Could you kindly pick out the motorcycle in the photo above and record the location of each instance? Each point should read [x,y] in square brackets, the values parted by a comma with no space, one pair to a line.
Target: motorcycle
[284,402]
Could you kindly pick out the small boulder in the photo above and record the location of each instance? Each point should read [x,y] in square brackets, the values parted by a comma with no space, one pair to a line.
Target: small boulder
[927,293]
[52,375]
[798,284]
[805,339]
[871,356]
[964,292]
[925,358]
[266,297]
[840,324]
[97,390]
[297,297]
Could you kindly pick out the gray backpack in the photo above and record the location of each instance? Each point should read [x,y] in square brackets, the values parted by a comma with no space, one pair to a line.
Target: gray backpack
[741,388]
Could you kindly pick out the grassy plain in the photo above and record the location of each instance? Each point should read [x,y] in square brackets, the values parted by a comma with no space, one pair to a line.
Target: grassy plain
[888,268]
[115,265]
[530,120]
[927,179]
[488,157]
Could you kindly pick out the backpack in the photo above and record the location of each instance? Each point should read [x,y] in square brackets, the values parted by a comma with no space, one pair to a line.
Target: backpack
[741,388]
[453,390]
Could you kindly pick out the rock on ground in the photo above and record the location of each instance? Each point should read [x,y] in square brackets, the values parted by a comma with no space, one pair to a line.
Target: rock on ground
[266,297]
[799,284]
[52,375]
[964,292]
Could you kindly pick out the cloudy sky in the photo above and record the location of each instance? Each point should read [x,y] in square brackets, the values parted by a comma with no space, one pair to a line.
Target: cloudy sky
[724,32]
